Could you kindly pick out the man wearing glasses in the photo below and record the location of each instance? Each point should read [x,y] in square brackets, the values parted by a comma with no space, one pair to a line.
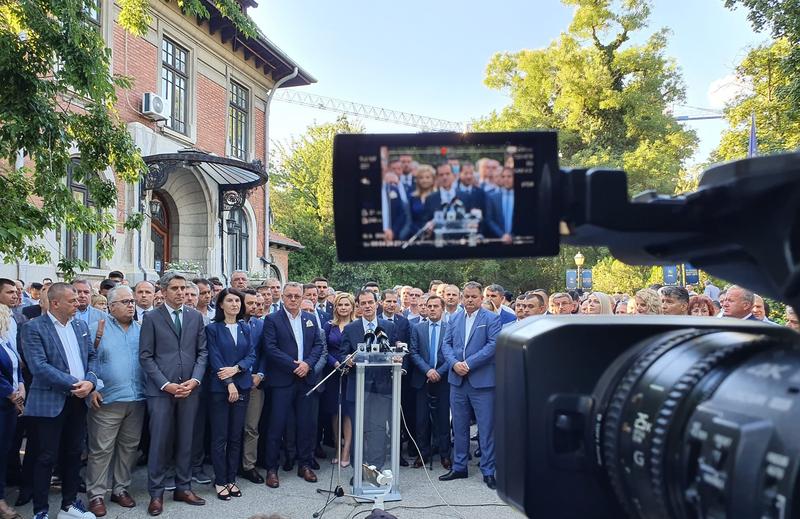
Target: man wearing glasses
[117,405]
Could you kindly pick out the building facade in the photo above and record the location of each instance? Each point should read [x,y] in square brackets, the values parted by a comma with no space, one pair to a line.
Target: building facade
[199,113]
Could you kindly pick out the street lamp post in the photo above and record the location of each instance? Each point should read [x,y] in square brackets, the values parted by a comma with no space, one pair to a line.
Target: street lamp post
[579,259]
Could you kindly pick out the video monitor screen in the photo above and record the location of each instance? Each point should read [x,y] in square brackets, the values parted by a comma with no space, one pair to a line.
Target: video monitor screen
[445,195]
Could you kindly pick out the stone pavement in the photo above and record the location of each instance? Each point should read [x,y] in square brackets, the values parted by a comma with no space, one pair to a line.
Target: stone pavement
[297,499]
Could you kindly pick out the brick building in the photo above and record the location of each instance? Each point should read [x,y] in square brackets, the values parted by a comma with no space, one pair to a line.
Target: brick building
[204,135]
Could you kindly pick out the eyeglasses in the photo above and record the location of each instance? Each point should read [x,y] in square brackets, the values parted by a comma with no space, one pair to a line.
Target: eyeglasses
[125,301]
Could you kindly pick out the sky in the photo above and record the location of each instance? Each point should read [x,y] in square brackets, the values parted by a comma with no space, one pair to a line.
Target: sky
[429,57]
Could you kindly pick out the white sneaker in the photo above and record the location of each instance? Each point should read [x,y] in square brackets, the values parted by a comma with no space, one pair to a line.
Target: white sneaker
[76,511]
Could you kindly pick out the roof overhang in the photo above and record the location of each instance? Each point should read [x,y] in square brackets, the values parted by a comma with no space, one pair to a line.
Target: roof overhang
[234,178]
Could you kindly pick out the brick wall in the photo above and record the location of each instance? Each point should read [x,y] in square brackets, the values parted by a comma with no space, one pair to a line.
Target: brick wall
[140,64]
[212,109]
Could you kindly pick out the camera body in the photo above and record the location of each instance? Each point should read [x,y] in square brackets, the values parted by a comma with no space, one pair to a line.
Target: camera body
[648,416]
[651,417]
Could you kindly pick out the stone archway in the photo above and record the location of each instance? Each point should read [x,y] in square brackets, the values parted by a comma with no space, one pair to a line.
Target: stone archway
[191,236]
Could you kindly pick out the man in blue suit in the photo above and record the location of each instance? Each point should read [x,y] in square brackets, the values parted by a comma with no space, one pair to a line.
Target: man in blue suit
[429,380]
[395,209]
[293,344]
[468,191]
[86,312]
[469,347]
[256,404]
[61,358]
[378,381]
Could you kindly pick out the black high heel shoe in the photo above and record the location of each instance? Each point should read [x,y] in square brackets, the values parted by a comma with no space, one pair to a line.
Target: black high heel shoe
[224,494]
[234,493]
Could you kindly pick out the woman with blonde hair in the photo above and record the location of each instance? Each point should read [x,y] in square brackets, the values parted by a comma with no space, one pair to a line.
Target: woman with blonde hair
[599,303]
[425,185]
[12,398]
[344,312]
[645,302]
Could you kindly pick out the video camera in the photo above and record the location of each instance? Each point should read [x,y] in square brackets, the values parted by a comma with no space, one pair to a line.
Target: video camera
[607,416]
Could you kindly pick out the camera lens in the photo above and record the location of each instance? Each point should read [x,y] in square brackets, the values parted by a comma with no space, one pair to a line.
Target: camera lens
[689,420]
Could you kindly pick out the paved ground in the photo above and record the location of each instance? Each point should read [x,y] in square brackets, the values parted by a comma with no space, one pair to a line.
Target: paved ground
[297,499]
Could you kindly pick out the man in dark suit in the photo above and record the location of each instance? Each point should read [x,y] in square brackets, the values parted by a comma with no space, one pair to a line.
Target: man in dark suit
[59,353]
[468,190]
[469,347]
[500,208]
[395,209]
[378,381]
[292,342]
[429,380]
[173,355]
[322,294]
[256,403]
[445,190]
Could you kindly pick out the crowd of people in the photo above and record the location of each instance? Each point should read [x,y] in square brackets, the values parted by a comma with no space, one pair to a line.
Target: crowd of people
[412,193]
[184,373]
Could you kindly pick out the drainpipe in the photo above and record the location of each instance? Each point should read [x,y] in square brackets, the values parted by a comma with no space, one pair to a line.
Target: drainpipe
[267,104]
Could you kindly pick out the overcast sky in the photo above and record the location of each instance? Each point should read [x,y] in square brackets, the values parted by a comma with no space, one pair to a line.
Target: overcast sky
[429,57]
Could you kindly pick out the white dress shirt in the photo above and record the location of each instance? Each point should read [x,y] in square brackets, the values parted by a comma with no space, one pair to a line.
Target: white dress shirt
[234,329]
[296,324]
[69,341]
[469,320]
[141,311]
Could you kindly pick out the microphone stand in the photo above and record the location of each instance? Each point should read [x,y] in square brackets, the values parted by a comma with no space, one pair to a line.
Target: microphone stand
[343,368]
[429,225]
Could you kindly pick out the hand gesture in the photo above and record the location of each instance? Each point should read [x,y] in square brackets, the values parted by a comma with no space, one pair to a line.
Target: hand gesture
[82,389]
[302,368]
[228,372]
[97,400]
[233,393]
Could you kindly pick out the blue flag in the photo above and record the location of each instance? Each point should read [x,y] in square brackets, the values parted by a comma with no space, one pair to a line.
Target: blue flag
[752,145]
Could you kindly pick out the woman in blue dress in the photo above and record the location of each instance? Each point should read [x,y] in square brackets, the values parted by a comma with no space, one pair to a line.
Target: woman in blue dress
[424,187]
[343,314]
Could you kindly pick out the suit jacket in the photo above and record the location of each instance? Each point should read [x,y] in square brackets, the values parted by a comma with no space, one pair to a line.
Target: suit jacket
[400,214]
[32,311]
[47,360]
[328,309]
[420,352]
[477,349]
[223,352]
[257,336]
[475,199]
[402,329]
[7,374]
[377,380]
[281,348]
[493,217]
[167,358]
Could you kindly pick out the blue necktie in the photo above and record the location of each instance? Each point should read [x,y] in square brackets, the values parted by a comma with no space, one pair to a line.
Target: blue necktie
[507,211]
[432,346]
[370,327]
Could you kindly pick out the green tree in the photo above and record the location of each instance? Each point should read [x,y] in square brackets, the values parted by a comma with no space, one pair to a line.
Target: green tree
[607,98]
[777,123]
[58,93]
[782,20]
[610,275]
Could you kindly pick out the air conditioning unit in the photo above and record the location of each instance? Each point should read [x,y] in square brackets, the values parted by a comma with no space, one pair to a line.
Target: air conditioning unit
[155,107]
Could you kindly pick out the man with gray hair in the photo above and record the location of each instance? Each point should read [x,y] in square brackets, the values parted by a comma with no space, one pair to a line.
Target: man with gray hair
[173,355]
[117,408]
[191,296]
[239,280]
[739,303]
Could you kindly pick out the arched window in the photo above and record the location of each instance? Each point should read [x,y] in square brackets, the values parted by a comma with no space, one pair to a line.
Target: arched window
[238,241]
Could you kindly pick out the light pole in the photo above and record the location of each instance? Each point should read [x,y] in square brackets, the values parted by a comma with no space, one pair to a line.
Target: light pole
[579,259]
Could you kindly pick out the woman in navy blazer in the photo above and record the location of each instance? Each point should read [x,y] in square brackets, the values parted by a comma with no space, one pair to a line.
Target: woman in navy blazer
[231,353]
[12,397]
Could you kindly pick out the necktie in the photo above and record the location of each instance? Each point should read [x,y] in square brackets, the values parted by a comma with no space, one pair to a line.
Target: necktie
[177,314]
[275,307]
[370,327]
[432,346]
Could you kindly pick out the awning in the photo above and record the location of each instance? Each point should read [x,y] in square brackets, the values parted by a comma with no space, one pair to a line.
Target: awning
[235,178]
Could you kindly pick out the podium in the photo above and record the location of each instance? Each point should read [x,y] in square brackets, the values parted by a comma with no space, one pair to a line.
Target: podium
[376,440]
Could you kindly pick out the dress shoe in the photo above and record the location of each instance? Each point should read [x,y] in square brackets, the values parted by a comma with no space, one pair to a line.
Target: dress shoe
[188,497]
[123,499]
[447,464]
[253,476]
[450,476]
[156,506]
[490,481]
[307,474]
[272,479]
[97,506]
[403,462]
[24,497]
[319,452]
[314,464]
[288,465]
[418,463]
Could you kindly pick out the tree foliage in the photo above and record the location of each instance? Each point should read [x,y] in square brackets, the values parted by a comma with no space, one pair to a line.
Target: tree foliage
[607,98]
[777,123]
[610,275]
[782,20]
[58,95]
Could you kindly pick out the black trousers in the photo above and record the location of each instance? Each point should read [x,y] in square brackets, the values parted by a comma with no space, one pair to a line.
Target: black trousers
[8,426]
[433,419]
[284,400]
[227,430]
[59,439]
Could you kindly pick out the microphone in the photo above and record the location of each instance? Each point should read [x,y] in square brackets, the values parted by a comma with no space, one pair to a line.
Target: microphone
[369,338]
[382,338]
